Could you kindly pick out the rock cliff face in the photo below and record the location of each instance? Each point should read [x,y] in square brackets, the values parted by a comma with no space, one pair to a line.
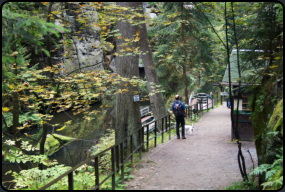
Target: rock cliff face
[82,49]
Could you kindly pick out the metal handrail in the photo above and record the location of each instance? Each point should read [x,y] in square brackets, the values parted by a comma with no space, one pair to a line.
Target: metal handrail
[116,154]
[115,158]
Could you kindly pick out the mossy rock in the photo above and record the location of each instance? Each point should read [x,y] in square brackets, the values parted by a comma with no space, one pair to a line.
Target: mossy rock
[52,143]
[276,120]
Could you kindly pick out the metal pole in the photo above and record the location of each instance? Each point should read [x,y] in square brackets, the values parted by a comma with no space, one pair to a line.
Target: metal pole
[169,127]
[113,168]
[131,151]
[196,111]
[142,130]
[117,157]
[70,181]
[96,165]
[207,104]
[147,137]
[155,133]
[191,114]
[162,129]
[140,141]
[217,98]
[122,162]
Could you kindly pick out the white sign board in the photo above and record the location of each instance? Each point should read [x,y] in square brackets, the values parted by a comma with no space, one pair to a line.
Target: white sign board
[224,94]
[136,98]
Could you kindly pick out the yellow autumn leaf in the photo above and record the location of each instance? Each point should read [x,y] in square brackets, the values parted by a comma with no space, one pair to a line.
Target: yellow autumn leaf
[94,46]
[273,66]
[137,33]
[119,37]
[136,39]
[96,25]
[228,26]
[127,39]
[68,122]
[61,128]
[116,54]
[128,49]
[64,54]
[276,58]
[5,109]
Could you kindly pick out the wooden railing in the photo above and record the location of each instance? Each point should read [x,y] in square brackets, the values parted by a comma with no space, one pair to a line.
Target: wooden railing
[117,151]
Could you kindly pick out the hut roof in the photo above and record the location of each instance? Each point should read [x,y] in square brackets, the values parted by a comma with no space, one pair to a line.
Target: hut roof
[250,63]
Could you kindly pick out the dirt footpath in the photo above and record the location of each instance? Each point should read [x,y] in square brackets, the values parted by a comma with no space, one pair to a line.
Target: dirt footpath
[204,160]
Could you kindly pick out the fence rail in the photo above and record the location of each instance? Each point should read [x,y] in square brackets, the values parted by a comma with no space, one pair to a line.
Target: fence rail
[117,151]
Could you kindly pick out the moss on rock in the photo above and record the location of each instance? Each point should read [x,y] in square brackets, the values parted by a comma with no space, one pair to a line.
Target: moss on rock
[276,120]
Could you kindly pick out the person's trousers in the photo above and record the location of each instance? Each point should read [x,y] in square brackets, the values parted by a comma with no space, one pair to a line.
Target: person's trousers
[180,120]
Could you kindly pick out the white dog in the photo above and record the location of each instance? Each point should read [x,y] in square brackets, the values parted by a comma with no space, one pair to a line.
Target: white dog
[189,128]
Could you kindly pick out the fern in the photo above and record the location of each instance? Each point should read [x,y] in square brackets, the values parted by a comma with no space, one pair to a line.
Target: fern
[273,172]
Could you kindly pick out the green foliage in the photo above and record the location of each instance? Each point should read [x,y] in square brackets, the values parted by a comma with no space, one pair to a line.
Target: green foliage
[242,186]
[273,172]
[105,142]
[23,118]
[171,54]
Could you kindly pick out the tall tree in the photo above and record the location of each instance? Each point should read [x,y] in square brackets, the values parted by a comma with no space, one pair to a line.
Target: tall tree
[156,100]
[182,45]
[127,111]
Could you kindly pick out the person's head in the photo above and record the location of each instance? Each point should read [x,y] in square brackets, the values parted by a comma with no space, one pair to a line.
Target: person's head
[177,97]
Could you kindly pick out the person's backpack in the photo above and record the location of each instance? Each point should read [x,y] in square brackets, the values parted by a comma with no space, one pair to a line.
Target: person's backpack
[178,109]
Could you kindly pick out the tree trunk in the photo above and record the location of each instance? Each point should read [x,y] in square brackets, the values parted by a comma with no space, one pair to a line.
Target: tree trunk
[183,54]
[128,116]
[156,101]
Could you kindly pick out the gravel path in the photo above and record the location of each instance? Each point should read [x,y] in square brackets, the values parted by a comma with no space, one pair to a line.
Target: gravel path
[204,160]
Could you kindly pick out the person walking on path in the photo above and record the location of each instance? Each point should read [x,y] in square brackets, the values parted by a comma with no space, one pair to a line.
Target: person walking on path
[179,110]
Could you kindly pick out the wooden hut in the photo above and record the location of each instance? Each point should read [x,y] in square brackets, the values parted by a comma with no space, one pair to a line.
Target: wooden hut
[249,61]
